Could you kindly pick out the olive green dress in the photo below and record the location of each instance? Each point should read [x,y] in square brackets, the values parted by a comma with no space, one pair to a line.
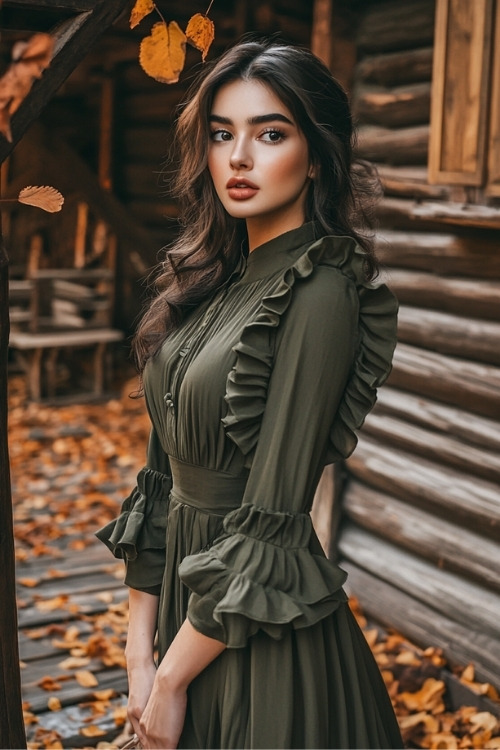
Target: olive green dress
[249,398]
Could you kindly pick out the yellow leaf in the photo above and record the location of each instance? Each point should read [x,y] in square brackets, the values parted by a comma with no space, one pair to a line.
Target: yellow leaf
[104,695]
[141,9]
[163,53]
[428,698]
[29,582]
[485,721]
[47,198]
[74,662]
[54,703]
[200,33]
[86,678]
[92,731]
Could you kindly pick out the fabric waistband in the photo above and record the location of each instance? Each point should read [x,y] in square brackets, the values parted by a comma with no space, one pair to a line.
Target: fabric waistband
[205,489]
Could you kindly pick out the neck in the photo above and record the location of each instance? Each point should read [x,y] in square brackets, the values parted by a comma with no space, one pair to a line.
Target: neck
[265,228]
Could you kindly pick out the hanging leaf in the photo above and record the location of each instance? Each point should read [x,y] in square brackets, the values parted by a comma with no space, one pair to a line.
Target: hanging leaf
[29,60]
[163,53]
[200,33]
[47,198]
[141,9]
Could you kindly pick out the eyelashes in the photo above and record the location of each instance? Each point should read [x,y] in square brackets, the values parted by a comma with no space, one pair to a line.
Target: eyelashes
[270,135]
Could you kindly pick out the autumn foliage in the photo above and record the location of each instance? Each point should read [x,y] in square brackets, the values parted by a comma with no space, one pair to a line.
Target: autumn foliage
[163,53]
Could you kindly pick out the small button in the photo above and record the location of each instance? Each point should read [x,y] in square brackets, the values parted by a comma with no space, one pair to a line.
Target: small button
[167,397]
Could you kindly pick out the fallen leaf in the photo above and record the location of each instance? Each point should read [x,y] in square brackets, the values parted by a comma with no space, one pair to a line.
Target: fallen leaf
[92,731]
[86,678]
[163,53]
[48,683]
[74,662]
[54,703]
[120,715]
[29,582]
[141,9]
[484,721]
[200,32]
[57,602]
[428,698]
[104,695]
[47,198]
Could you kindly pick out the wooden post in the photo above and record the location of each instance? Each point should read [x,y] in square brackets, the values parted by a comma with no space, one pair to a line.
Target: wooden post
[12,734]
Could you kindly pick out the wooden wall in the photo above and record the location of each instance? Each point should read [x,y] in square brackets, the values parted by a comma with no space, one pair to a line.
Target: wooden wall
[421,505]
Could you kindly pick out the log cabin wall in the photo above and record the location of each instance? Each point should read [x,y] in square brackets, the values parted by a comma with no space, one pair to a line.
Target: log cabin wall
[421,504]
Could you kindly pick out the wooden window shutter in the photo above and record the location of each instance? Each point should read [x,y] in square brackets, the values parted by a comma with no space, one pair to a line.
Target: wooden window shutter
[460,91]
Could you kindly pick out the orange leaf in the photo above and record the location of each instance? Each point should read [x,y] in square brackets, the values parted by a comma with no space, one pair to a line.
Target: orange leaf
[163,53]
[48,683]
[29,582]
[74,662]
[86,678]
[428,698]
[141,9]
[200,33]
[104,695]
[54,703]
[47,198]
[92,731]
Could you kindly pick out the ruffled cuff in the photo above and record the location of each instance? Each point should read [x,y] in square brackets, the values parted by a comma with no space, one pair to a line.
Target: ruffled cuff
[262,575]
[142,522]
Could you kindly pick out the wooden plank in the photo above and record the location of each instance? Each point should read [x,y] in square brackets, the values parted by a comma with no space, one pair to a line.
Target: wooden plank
[445,592]
[459,111]
[424,626]
[395,68]
[448,254]
[72,693]
[471,297]
[472,386]
[437,492]
[82,603]
[474,430]
[321,32]
[400,146]
[460,214]
[471,338]
[24,340]
[451,547]
[401,106]
[429,444]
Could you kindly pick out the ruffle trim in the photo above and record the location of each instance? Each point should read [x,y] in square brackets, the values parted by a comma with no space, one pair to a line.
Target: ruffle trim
[262,576]
[143,520]
[247,382]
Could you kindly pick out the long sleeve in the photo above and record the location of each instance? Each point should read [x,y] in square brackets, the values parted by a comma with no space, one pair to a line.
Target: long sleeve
[268,571]
[138,534]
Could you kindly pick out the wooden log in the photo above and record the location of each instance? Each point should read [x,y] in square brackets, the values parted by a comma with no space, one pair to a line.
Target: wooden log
[449,254]
[444,544]
[398,213]
[146,144]
[443,591]
[12,732]
[422,442]
[396,26]
[422,625]
[401,106]
[471,429]
[472,386]
[149,108]
[471,338]
[395,68]
[409,182]
[399,146]
[470,297]
[437,492]
[458,214]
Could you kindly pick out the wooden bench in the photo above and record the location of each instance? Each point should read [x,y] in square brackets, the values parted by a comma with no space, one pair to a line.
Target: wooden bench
[31,346]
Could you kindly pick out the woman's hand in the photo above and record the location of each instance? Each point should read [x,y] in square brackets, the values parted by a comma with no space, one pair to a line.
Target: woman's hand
[140,681]
[163,718]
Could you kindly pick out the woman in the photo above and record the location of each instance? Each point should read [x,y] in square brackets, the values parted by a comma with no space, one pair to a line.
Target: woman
[260,353]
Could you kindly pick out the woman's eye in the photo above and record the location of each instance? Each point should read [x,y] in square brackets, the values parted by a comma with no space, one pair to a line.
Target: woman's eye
[273,136]
[220,135]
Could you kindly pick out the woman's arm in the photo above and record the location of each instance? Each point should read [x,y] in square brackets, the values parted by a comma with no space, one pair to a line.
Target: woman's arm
[163,718]
[139,652]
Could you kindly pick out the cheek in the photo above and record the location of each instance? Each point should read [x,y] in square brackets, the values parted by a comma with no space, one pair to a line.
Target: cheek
[292,166]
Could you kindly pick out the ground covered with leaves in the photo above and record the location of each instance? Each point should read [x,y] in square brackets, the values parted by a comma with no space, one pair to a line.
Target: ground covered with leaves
[71,468]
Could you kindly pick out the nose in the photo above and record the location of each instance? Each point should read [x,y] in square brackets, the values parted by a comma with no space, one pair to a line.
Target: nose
[241,157]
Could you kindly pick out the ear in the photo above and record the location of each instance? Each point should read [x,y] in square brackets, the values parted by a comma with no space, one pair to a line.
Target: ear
[312,171]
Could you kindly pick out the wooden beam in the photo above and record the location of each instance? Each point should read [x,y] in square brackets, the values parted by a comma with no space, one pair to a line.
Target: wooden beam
[12,732]
[397,68]
[74,38]
[78,6]
[400,146]
[321,32]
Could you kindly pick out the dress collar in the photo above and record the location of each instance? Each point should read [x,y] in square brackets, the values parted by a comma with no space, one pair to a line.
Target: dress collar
[279,253]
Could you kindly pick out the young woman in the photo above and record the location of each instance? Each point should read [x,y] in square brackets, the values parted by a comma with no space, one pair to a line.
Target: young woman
[260,354]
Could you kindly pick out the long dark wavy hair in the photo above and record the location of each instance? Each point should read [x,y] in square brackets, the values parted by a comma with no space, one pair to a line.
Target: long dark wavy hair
[209,246]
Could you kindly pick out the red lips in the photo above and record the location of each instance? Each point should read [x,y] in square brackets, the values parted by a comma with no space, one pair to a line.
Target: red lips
[241,189]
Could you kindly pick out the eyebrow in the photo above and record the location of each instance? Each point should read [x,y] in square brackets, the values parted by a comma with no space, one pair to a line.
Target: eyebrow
[256,120]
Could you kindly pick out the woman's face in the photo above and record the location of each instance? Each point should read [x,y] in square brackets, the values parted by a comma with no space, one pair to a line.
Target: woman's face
[258,158]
